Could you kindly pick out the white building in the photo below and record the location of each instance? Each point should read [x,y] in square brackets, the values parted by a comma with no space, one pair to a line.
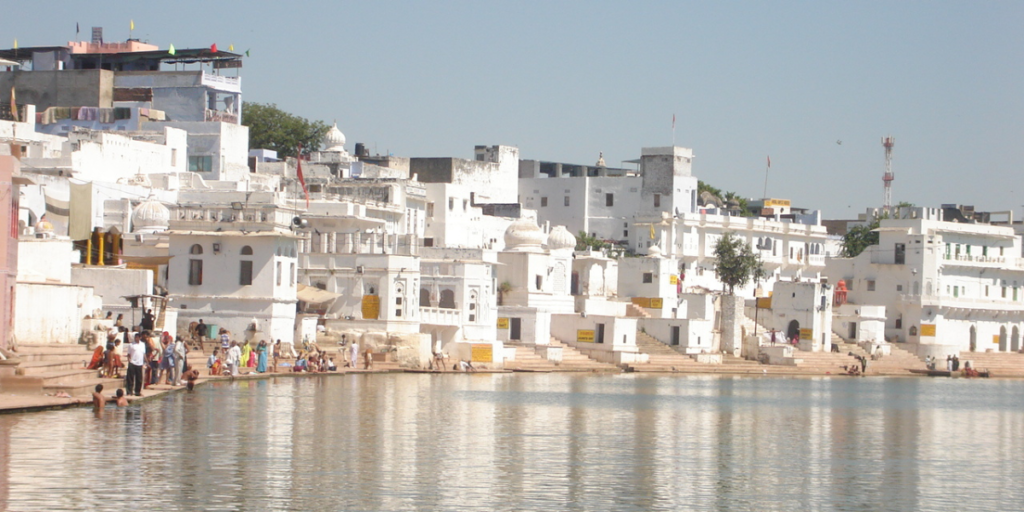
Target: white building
[234,266]
[946,286]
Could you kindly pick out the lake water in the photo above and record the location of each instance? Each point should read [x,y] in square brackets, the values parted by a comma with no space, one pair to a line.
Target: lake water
[531,442]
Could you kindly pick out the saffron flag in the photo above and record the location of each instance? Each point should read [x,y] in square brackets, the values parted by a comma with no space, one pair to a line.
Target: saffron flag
[652,231]
[231,47]
[302,180]
[14,106]
[131,25]
[213,47]
[171,50]
[15,43]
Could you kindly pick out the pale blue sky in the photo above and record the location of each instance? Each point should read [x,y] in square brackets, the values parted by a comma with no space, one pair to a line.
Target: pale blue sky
[566,80]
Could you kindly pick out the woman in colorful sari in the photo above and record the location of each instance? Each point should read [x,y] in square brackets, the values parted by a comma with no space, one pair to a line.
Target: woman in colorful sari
[253,356]
[97,357]
[246,352]
[262,351]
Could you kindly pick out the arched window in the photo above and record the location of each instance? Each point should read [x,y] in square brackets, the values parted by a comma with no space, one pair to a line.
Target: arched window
[196,249]
[447,299]
[424,297]
[246,251]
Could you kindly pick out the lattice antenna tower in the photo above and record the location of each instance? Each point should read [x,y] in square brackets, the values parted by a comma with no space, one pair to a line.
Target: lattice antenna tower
[888,143]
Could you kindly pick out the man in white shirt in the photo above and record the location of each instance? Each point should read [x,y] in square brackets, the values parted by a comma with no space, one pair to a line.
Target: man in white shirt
[234,356]
[136,359]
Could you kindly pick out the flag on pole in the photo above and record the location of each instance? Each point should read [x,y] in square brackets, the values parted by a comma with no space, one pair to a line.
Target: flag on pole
[769,161]
[14,106]
[247,53]
[231,47]
[673,121]
[652,231]
[171,50]
[213,47]
[15,43]
[302,180]
[77,30]
[131,25]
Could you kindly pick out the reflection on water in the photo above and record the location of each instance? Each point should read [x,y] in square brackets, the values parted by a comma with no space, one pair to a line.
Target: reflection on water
[530,442]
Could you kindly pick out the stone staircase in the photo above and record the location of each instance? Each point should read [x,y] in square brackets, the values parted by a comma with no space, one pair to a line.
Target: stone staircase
[999,364]
[527,360]
[52,368]
[898,362]
[662,358]
[574,360]
[632,310]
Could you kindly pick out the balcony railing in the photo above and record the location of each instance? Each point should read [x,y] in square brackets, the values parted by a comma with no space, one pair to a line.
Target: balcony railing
[441,316]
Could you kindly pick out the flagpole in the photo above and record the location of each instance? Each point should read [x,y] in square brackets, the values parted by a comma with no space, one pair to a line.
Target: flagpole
[673,130]
[764,195]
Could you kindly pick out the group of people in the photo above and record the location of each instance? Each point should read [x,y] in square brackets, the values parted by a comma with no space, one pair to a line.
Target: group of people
[155,359]
[314,361]
[232,356]
[350,354]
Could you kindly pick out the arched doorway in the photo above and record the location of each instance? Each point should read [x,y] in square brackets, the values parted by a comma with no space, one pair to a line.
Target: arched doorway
[1015,339]
[447,299]
[1002,339]
[424,298]
[974,338]
[793,331]
[575,284]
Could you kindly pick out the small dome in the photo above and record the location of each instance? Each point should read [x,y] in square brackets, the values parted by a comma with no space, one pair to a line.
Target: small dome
[150,216]
[560,238]
[524,235]
[654,251]
[333,140]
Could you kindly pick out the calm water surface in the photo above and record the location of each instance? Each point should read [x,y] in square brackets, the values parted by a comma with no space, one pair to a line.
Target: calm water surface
[531,442]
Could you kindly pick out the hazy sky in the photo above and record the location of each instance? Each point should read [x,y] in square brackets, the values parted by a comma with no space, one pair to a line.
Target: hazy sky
[565,80]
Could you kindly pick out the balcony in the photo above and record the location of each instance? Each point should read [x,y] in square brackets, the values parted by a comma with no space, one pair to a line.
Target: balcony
[221,116]
[441,316]
[977,303]
[971,260]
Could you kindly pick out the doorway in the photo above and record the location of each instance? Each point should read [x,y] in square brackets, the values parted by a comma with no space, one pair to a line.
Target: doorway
[600,333]
[1015,339]
[974,338]
[1002,339]
[793,331]
[515,327]
[675,335]
[853,332]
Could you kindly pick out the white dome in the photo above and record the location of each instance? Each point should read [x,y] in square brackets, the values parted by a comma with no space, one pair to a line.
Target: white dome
[654,251]
[524,234]
[333,140]
[150,216]
[560,238]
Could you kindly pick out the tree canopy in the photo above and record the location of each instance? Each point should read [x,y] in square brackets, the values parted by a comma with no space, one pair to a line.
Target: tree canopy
[274,129]
[859,238]
[736,262]
[585,241]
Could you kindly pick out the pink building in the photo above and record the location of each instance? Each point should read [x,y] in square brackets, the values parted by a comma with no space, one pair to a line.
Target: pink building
[9,180]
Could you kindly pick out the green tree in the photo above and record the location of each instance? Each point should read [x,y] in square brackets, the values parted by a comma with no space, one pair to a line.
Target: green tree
[859,238]
[736,262]
[275,129]
[584,241]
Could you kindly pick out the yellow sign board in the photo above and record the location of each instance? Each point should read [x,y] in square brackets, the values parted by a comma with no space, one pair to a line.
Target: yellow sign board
[656,302]
[764,302]
[673,279]
[995,339]
[585,335]
[927,329]
[371,307]
[482,353]
[776,202]
[806,334]
[503,323]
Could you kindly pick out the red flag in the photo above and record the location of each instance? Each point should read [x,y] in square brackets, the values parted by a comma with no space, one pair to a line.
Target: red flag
[769,161]
[302,180]
[213,48]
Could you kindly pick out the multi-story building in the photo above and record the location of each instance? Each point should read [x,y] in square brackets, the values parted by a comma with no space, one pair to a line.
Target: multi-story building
[946,286]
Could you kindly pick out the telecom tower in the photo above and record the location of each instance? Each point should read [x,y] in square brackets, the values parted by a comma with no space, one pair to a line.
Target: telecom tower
[888,143]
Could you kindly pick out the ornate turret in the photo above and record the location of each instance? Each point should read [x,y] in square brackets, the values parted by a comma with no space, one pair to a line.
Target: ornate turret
[525,236]
[560,239]
[150,217]
[333,140]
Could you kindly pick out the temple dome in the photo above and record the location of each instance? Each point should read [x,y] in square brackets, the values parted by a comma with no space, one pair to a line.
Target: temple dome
[524,235]
[560,238]
[150,217]
[333,140]
[654,251]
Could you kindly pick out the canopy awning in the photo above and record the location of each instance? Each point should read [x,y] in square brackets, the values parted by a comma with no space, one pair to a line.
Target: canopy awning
[313,295]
